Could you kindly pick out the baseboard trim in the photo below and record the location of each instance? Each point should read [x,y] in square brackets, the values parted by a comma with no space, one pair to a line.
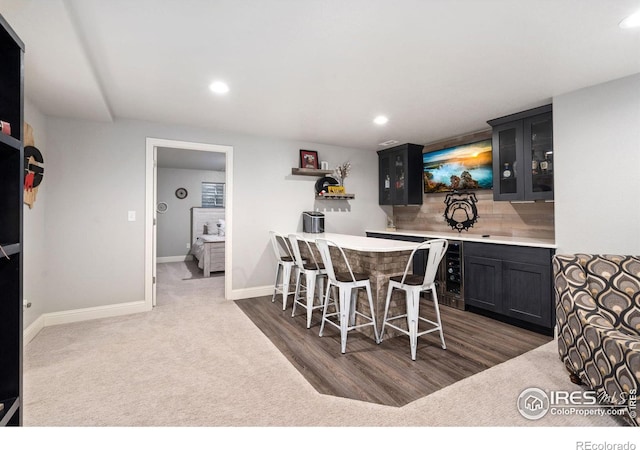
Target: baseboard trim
[32,330]
[168,259]
[120,309]
[80,315]
[259,291]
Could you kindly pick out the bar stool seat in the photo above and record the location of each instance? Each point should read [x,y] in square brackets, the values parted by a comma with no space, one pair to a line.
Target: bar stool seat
[413,285]
[348,284]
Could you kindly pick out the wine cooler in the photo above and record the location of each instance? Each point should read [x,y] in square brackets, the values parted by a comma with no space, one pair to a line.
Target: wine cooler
[450,277]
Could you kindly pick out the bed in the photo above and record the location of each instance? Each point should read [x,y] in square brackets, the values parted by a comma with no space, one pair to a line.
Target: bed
[207,245]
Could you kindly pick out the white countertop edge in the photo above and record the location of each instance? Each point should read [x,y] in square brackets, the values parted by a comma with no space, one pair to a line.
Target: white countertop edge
[361,243]
[505,240]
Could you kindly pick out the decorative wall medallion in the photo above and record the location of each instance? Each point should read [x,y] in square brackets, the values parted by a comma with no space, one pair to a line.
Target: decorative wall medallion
[33,167]
[461,212]
[181,193]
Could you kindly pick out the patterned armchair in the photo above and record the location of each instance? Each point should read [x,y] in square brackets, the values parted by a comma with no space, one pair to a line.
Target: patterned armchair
[598,324]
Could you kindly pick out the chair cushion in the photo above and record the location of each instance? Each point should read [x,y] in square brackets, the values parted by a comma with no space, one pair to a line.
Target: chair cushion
[411,280]
[614,284]
[345,277]
[286,258]
[312,266]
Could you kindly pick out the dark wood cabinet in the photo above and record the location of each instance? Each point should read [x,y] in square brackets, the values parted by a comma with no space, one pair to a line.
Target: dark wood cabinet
[11,191]
[523,155]
[511,281]
[483,282]
[400,175]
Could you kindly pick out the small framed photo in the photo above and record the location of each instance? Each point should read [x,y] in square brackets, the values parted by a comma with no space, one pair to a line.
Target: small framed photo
[308,159]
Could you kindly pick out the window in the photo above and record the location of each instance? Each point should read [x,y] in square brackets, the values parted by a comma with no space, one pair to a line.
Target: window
[212,195]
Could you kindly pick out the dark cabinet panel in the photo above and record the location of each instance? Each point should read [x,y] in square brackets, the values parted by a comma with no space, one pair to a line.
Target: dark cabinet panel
[527,293]
[523,155]
[483,283]
[400,175]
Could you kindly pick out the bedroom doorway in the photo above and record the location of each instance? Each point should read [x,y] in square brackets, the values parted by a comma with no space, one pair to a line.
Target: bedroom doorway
[189,156]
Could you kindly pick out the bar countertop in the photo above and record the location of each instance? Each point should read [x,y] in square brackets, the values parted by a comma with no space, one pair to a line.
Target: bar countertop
[455,236]
[361,243]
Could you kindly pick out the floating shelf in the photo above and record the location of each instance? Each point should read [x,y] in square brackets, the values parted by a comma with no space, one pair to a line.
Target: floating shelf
[310,172]
[335,196]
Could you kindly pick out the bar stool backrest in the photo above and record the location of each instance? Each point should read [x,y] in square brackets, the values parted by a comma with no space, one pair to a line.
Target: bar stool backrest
[281,246]
[295,247]
[325,253]
[437,249]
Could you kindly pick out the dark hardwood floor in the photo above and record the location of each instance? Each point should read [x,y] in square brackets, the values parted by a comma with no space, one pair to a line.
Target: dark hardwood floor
[385,373]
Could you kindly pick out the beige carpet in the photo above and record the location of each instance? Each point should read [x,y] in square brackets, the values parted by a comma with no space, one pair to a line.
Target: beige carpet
[197,360]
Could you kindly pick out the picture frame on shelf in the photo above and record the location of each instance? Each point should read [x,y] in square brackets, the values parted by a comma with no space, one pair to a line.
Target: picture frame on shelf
[308,159]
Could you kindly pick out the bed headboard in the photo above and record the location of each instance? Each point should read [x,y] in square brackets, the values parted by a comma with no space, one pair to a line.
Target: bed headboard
[204,216]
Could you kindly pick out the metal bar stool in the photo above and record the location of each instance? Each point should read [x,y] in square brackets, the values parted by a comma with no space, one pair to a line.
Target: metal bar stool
[286,265]
[313,273]
[413,285]
[348,283]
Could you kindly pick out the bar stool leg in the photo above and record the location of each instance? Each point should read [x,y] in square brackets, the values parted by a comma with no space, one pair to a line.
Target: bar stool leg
[311,284]
[435,303]
[373,314]
[352,306]
[275,284]
[286,281]
[386,310]
[324,310]
[296,294]
[345,307]
[413,304]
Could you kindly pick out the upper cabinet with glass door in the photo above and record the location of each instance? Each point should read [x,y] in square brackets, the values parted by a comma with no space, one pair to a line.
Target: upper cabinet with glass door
[400,175]
[523,155]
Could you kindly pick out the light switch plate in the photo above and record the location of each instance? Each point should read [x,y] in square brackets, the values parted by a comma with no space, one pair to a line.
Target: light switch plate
[132,216]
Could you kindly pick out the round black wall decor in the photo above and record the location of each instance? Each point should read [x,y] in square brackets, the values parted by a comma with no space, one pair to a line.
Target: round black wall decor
[181,193]
[461,212]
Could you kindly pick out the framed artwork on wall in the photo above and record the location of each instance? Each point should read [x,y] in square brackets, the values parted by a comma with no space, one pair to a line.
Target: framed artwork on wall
[308,159]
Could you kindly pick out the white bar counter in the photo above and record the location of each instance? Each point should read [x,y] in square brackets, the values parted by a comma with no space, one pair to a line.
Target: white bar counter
[361,243]
[487,239]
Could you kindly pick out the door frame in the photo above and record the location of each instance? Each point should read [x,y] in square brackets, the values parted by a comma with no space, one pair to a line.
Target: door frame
[151,215]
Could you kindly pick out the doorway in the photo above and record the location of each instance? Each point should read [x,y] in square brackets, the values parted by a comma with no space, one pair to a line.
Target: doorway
[151,213]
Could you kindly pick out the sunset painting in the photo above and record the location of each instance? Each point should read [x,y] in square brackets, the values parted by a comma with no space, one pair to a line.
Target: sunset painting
[465,167]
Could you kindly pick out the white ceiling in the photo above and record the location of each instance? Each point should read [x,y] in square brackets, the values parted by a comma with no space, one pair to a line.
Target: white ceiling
[318,70]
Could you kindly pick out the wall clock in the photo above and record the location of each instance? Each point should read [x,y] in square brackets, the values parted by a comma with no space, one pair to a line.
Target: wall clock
[181,193]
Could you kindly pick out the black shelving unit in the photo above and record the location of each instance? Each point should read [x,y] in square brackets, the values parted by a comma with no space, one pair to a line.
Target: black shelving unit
[11,196]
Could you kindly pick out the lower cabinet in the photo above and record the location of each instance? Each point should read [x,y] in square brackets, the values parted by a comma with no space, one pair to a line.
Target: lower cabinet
[511,281]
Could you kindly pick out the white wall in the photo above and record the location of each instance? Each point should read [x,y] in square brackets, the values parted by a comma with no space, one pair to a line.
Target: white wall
[174,226]
[597,163]
[96,173]
[34,226]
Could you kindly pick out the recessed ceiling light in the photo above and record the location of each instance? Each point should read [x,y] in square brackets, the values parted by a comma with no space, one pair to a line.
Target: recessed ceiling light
[631,21]
[219,87]
[389,142]
[380,120]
